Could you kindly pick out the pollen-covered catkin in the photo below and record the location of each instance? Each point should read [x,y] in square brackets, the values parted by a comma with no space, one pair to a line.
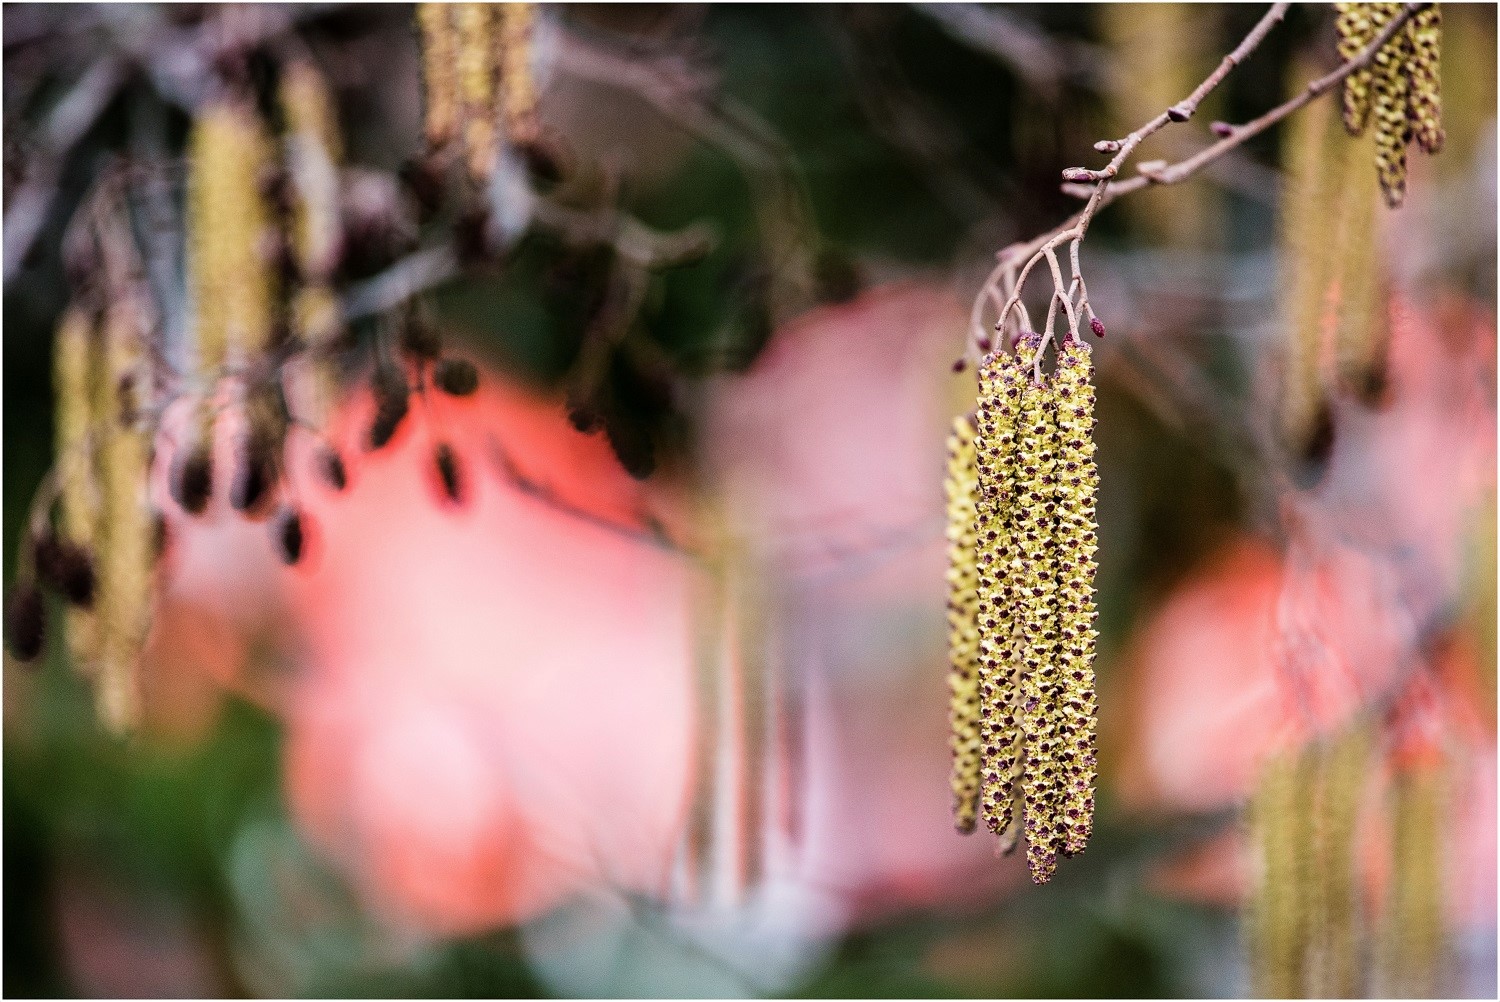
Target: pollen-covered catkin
[1343,766]
[314,150]
[1390,107]
[1076,479]
[1426,106]
[229,227]
[439,73]
[962,485]
[1358,24]
[1001,381]
[1035,608]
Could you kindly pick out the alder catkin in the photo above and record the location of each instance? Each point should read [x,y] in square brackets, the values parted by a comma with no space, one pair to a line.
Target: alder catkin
[229,231]
[1035,571]
[961,486]
[1413,934]
[127,527]
[1426,107]
[1076,482]
[1277,921]
[517,87]
[476,84]
[1002,380]
[439,43]
[1358,24]
[76,362]
[1390,107]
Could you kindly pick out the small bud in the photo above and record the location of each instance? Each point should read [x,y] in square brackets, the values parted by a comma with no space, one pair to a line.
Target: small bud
[448,473]
[1107,146]
[1078,175]
[26,622]
[984,344]
[1179,113]
[960,365]
[457,377]
[289,537]
[193,480]
[1097,326]
[1221,129]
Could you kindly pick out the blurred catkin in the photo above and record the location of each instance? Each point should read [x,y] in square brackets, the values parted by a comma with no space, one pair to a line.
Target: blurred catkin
[517,86]
[477,83]
[229,235]
[1281,834]
[1412,932]
[1426,30]
[439,40]
[127,526]
[962,485]
[76,362]
[1336,921]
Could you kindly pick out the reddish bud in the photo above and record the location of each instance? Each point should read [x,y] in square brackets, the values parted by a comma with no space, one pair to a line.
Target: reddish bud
[1097,326]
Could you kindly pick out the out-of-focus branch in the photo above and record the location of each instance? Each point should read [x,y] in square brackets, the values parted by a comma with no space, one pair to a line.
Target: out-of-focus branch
[633,240]
[69,121]
[687,95]
[1044,64]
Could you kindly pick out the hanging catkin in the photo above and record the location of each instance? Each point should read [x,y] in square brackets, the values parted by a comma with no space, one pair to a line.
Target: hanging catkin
[76,362]
[1076,481]
[1278,914]
[962,485]
[1001,382]
[1412,935]
[127,527]
[439,43]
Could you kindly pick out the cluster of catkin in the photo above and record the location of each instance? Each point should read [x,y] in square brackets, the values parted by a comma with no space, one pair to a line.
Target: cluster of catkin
[1311,930]
[1020,486]
[476,69]
[1398,95]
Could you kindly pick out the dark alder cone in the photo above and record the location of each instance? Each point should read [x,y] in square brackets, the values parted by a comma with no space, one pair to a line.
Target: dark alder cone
[448,473]
[423,178]
[331,468]
[457,377]
[632,446]
[193,480]
[67,567]
[26,622]
[256,478]
[289,537]
[391,406]
[420,340]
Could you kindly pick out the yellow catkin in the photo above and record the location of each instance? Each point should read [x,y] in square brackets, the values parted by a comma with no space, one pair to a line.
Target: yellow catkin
[1313,154]
[1390,89]
[1353,303]
[517,86]
[228,227]
[1412,939]
[1001,385]
[1358,24]
[1076,481]
[314,150]
[476,84]
[1426,108]
[1035,572]
[961,486]
[76,361]
[126,530]
[1343,766]
[439,73]
[1278,915]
